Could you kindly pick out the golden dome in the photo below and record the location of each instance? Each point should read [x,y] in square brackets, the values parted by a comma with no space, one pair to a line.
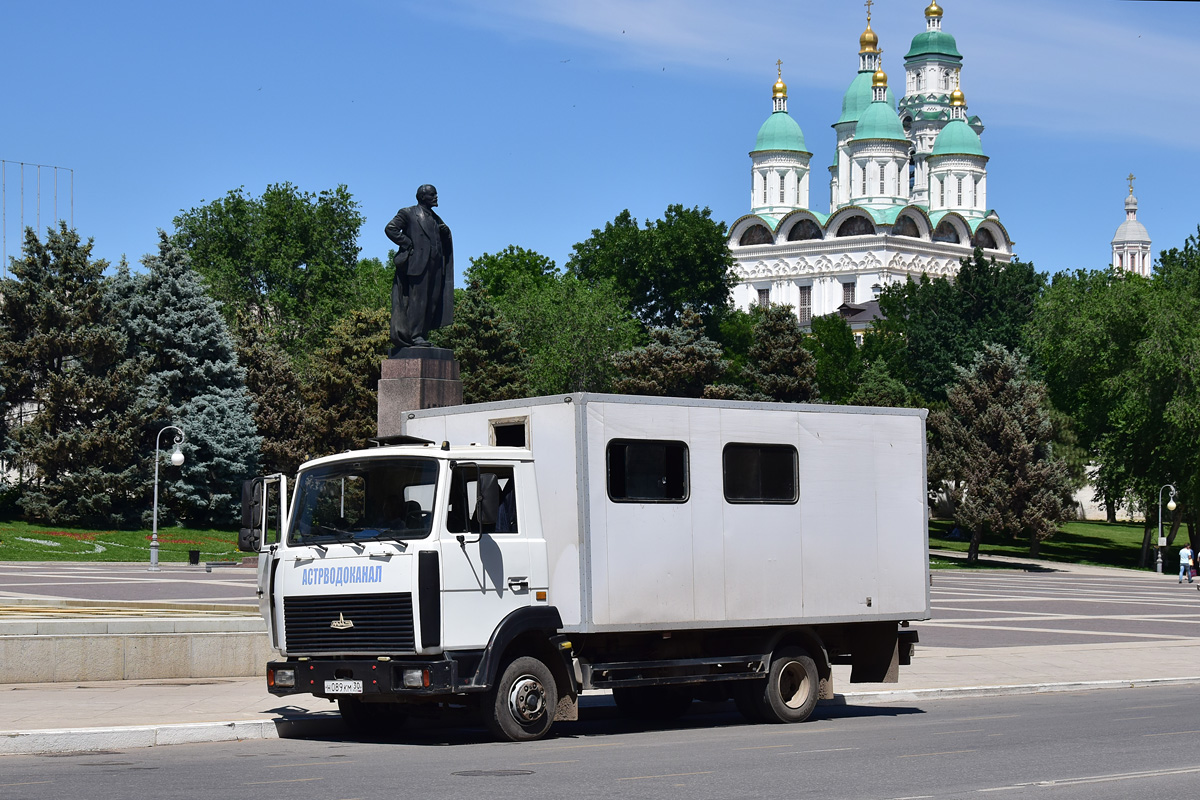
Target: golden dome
[934,10]
[957,98]
[869,41]
[780,88]
[879,79]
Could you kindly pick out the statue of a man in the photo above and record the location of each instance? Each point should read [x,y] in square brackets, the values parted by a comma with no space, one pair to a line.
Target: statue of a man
[423,284]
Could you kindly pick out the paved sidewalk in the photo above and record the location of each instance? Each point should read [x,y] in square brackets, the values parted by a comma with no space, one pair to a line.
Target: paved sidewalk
[61,717]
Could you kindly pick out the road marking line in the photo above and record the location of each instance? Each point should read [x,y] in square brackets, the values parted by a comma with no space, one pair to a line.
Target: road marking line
[1171,733]
[1120,776]
[26,783]
[286,780]
[539,763]
[578,746]
[309,764]
[1123,719]
[994,716]
[672,775]
[763,747]
[943,753]
[828,750]
[950,733]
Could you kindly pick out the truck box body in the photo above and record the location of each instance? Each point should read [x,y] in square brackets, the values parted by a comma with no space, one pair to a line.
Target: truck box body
[853,547]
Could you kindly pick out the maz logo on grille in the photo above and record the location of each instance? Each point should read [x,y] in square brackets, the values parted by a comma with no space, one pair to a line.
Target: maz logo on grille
[341,623]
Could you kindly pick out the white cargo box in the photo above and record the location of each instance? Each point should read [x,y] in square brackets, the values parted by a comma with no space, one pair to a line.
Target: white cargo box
[765,513]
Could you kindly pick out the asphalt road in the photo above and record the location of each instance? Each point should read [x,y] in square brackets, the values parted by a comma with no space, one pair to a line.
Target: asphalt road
[1101,744]
[114,583]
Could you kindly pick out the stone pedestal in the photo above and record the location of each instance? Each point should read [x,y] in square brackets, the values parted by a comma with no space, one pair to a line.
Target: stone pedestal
[418,377]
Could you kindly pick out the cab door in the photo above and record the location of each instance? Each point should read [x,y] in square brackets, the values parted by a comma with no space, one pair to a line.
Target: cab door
[486,564]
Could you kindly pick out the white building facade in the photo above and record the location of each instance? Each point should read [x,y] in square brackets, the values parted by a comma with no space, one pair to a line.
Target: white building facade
[907,188]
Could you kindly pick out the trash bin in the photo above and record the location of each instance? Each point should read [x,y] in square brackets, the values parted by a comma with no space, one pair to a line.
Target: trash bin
[194,557]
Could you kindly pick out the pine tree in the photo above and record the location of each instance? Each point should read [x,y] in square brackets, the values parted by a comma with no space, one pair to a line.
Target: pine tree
[680,361]
[279,411]
[193,370]
[995,439]
[67,367]
[879,388]
[780,366]
[492,362]
[341,384]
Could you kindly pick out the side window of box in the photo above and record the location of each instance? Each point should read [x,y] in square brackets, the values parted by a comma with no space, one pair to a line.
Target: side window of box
[647,471]
[760,473]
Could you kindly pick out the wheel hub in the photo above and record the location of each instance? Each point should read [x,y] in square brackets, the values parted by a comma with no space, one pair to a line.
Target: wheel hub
[793,685]
[527,699]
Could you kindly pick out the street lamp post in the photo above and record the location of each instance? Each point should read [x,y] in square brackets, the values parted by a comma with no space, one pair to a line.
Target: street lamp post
[1161,541]
[177,460]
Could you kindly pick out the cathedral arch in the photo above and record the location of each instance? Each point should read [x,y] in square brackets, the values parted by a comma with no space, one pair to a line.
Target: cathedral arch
[804,230]
[985,239]
[756,234]
[952,229]
[905,226]
[999,236]
[856,225]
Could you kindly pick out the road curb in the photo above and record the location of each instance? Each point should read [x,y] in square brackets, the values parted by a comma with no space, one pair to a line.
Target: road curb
[82,740]
[948,693]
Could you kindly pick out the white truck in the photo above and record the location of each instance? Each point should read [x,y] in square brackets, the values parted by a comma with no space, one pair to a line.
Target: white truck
[509,556]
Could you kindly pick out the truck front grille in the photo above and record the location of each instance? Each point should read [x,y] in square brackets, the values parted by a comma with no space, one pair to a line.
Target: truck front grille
[349,623]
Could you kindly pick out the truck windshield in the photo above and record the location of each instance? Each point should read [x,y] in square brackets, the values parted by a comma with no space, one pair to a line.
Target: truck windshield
[371,498]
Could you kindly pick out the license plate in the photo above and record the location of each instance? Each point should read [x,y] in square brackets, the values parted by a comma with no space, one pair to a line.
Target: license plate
[343,687]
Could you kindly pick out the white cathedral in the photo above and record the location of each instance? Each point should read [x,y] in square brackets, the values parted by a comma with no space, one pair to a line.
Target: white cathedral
[907,189]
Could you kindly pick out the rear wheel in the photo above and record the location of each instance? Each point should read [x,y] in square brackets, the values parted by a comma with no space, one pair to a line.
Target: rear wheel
[652,702]
[521,705]
[789,693]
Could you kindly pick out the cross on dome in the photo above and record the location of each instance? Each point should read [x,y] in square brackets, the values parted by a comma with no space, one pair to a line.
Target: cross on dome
[1131,179]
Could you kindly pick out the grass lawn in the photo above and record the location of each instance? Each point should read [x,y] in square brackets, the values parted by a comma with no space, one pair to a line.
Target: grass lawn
[23,541]
[1097,543]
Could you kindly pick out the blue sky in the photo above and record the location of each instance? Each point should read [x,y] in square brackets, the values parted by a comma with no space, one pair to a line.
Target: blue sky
[539,120]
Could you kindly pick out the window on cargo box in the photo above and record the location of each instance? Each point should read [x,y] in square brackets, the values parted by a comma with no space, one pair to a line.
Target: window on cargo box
[760,473]
[646,471]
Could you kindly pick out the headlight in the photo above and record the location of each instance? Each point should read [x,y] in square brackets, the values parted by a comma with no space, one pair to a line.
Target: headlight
[284,678]
[416,678]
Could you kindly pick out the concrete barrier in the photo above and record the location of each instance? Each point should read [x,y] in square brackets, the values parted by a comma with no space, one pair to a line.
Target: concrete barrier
[48,651]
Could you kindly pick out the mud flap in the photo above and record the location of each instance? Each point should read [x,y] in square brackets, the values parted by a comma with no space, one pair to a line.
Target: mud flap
[876,654]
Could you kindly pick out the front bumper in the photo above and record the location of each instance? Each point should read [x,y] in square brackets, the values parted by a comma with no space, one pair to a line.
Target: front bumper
[378,677]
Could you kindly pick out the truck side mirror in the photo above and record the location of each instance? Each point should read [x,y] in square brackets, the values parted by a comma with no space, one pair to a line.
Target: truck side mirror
[250,535]
[487,508]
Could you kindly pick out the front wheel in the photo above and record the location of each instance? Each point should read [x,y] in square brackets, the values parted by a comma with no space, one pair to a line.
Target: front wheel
[790,692]
[521,705]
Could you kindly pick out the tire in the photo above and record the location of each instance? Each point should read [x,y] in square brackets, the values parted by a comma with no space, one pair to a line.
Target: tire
[661,703]
[790,692]
[520,706]
[370,719]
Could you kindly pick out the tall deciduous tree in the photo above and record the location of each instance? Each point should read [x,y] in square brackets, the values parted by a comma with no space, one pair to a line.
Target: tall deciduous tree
[943,323]
[192,368]
[498,274]
[680,361]
[680,261]
[837,357]
[994,438]
[69,372]
[286,261]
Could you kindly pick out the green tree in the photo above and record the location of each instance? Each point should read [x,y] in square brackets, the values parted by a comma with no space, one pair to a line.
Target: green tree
[878,388]
[279,410]
[286,261]
[995,439]
[838,361]
[780,366]
[680,261]
[342,380]
[943,323]
[492,362]
[513,266]
[80,438]
[191,367]
[570,330]
[680,361]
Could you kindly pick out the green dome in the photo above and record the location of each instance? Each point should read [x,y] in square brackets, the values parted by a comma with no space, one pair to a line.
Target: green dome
[780,132]
[879,121]
[933,43]
[858,97]
[958,139]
